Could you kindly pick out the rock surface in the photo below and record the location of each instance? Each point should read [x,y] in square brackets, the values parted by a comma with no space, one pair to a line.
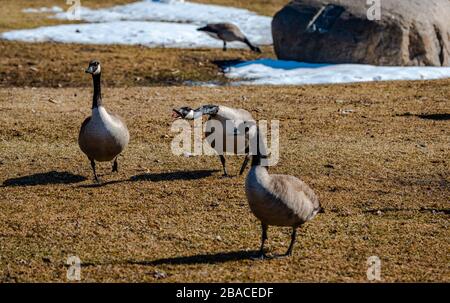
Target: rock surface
[409,32]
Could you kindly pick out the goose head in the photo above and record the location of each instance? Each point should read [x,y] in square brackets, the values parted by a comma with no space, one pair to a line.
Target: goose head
[186,113]
[94,67]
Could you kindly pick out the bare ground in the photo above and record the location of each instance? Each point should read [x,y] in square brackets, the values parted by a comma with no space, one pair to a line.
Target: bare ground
[382,173]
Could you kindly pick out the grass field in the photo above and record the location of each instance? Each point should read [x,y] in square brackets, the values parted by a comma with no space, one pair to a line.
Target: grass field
[382,172]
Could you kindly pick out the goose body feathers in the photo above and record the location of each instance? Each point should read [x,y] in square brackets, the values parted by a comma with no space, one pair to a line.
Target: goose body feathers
[280,200]
[224,31]
[227,32]
[103,136]
[231,120]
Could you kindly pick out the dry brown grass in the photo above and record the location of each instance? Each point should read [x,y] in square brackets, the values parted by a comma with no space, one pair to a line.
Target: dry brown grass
[64,64]
[382,174]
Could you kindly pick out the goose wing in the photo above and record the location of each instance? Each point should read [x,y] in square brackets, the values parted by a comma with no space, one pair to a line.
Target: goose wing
[124,134]
[296,194]
[119,120]
[236,118]
[218,28]
[82,128]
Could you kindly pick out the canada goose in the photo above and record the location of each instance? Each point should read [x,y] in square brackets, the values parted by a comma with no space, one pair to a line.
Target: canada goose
[103,136]
[227,117]
[227,32]
[278,200]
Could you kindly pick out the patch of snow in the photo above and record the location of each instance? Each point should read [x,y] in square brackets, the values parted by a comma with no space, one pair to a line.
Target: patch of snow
[151,34]
[168,1]
[162,23]
[53,9]
[258,28]
[278,72]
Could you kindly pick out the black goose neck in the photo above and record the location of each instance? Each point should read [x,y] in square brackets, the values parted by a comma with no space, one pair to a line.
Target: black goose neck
[257,159]
[97,99]
[211,110]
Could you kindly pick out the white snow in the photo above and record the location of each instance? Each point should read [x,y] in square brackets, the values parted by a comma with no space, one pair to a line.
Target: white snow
[278,72]
[166,23]
[156,34]
[53,9]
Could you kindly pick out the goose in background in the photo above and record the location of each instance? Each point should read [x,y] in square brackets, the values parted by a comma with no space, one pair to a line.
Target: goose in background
[222,114]
[227,32]
[103,135]
[278,200]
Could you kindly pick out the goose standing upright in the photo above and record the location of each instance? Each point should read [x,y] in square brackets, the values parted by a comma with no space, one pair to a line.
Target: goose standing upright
[278,200]
[227,32]
[223,115]
[103,135]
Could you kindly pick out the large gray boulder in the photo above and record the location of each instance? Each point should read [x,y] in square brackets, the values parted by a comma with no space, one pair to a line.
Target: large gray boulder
[409,32]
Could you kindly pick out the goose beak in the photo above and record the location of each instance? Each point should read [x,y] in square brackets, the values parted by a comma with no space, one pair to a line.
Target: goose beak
[176,114]
[90,70]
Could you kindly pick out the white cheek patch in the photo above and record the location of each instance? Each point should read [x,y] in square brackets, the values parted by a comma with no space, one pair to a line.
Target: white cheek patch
[190,115]
[98,70]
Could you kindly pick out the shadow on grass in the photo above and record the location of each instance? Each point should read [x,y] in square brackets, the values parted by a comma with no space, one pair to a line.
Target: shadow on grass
[222,257]
[47,178]
[203,259]
[224,64]
[172,176]
[94,184]
[434,117]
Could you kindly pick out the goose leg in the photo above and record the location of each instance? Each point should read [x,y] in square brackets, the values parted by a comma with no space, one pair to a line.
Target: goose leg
[224,46]
[222,160]
[291,246]
[93,169]
[293,237]
[261,254]
[115,168]
[244,165]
